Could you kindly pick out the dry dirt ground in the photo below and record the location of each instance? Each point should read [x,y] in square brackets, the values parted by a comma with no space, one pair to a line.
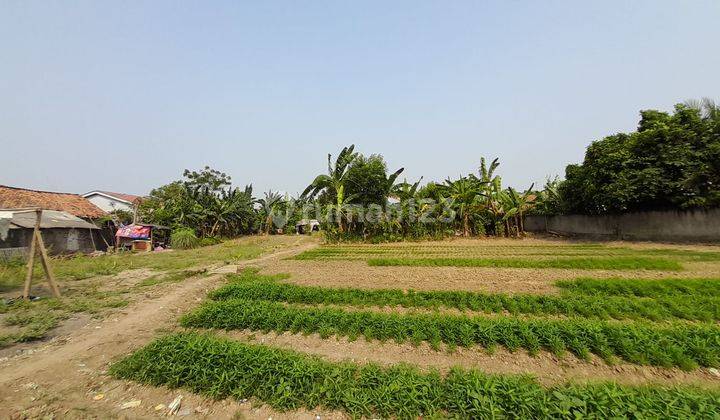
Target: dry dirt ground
[336,273]
[67,376]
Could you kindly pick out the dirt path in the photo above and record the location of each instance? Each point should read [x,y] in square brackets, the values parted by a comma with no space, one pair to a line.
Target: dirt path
[67,377]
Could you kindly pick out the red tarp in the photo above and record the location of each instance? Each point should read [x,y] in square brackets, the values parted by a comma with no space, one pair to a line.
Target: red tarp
[134,232]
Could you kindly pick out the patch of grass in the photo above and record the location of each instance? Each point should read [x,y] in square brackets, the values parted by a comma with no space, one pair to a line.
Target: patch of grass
[287,380]
[642,288]
[252,286]
[82,267]
[34,326]
[171,277]
[92,296]
[598,263]
[683,345]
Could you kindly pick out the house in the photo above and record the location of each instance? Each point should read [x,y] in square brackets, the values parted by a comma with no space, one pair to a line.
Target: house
[17,198]
[62,233]
[111,201]
[65,222]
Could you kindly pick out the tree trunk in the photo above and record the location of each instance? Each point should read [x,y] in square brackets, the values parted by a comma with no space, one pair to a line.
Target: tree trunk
[466,225]
[522,225]
[212,231]
[268,223]
[507,228]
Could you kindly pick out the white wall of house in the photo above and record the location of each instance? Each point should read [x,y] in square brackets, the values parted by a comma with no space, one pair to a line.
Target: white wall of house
[109,204]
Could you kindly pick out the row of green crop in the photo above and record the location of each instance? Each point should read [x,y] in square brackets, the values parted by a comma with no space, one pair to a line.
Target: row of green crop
[401,252]
[690,307]
[642,287]
[586,263]
[287,380]
[684,345]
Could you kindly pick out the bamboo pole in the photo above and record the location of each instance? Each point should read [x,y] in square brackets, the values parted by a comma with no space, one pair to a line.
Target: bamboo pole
[37,240]
[31,260]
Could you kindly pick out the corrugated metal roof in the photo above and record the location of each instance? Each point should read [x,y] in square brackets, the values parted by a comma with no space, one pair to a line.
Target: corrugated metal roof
[50,219]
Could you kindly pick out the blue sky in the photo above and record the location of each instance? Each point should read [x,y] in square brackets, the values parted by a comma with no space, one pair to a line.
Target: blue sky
[123,96]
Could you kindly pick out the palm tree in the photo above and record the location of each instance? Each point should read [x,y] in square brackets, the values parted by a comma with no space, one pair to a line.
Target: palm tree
[390,185]
[405,193]
[465,194]
[334,181]
[549,200]
[333,184]
[494,196]
[269,205]
[523,203]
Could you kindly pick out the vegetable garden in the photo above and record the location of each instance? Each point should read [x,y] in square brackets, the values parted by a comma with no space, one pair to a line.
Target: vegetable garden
[654,309]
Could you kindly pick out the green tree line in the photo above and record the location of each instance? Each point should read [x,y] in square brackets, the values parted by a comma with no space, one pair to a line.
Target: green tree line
[672,161]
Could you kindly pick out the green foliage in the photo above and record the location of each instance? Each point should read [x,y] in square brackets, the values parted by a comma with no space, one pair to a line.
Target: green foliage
[184,238]
[344,252]
[82,266]
[287,380]
[699,300]
[33,320]
[34,326]
[670,162]
[683,345]
[124,217]
[586,263]
[368,180]
[642,288]
[332,185]
[205,202]
[213,240]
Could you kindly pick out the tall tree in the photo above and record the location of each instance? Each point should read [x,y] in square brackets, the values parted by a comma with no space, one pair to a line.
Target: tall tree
[670,162]
[368,180]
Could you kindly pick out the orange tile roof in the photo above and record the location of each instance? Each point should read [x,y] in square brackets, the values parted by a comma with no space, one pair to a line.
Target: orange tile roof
[11,197]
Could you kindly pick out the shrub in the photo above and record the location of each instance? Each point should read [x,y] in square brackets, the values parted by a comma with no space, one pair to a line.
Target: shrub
[210,241]
[184,238]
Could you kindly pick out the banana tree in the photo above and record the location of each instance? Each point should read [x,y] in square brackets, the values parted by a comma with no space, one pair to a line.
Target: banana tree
[269,205]
[523,203]
[549,201]
[333,184]
[406,193]
[336,176]
[465,194]
[342,208]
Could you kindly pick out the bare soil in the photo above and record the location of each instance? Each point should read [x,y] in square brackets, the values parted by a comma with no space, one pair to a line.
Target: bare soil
[481,279]
[546,367]
[66,377]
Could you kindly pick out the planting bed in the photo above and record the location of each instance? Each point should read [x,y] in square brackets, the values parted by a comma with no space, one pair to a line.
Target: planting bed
[646,316]
[289,380]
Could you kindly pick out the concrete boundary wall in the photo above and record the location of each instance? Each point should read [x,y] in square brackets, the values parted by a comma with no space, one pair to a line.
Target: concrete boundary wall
[665,226]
